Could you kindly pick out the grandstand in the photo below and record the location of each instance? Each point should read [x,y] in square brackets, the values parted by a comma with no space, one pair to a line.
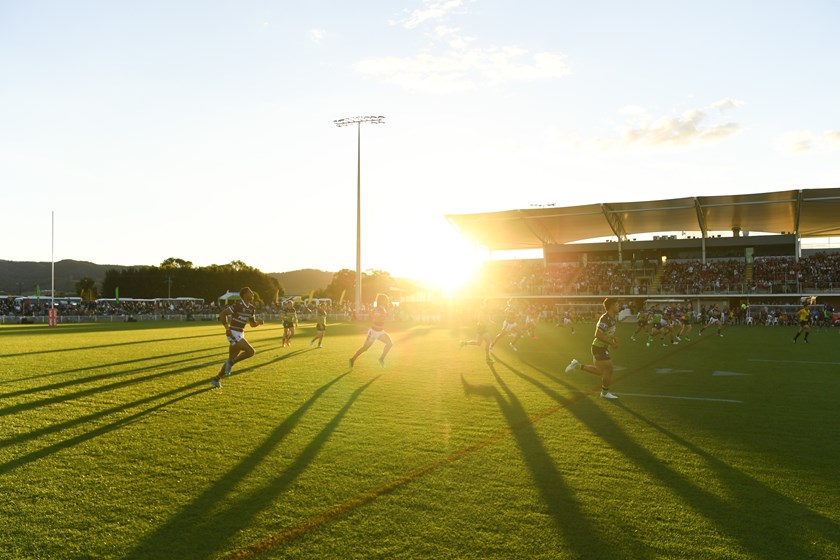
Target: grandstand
[722,249]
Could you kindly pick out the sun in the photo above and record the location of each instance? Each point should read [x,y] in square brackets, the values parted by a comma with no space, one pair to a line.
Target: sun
[451,276]
[450,267]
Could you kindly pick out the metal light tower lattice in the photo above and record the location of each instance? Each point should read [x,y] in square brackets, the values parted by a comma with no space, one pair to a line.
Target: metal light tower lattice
[358,121]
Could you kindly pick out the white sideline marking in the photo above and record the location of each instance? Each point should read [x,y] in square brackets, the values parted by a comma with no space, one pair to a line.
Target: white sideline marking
[679,398]
[795,362]
[672,370]
[729,374]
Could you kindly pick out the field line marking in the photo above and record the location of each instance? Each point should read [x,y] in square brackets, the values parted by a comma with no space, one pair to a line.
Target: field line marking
[708,399]
[364,498]
[795,362]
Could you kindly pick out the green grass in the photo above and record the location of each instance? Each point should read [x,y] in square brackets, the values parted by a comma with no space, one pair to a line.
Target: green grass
[115,446]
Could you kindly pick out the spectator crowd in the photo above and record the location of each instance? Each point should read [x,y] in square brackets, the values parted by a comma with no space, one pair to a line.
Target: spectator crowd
[813,273]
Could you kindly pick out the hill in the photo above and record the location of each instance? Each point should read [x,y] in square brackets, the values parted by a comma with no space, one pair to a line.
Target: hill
[302,282]
[21,278]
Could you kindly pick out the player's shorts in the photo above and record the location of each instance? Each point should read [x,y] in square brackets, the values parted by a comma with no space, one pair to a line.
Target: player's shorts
[507,327]
[373,335]
[235,336]
[642,322]
[664,323]
[804,323]
[714,320]
[321,327]
[600,353]
[567,321]
[288,324]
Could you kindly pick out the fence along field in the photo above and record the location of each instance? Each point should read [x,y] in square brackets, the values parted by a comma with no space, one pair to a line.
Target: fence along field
[115,446]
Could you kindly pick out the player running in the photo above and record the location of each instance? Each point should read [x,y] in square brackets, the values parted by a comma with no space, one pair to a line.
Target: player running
[642,324]
[510,326]
[568,321]
[320,324]
[290,321]
[240,313]
[804,322]
[531,322]
[377,330]
[715,319]
[604,339]
[482,336]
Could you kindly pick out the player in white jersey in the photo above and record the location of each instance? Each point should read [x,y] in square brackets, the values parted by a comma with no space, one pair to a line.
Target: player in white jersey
[377,330]
[715,319]
[234,318]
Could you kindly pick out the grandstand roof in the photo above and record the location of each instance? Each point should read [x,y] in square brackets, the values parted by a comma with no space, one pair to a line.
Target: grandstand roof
[807,213]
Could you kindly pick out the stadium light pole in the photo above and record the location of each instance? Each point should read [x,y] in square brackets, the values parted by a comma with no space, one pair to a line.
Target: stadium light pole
[358,121]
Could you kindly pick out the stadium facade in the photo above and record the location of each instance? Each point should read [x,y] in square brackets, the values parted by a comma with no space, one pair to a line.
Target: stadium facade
[643,241]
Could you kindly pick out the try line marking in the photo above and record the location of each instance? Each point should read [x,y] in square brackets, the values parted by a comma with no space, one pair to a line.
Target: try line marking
[795,362]
[680,398]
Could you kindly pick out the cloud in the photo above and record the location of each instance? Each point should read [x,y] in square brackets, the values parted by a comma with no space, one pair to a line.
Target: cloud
[692,127]
[431,10]
[455,62]
[806,141]
[727,104]
[317,35]
[832,137]
[465,69]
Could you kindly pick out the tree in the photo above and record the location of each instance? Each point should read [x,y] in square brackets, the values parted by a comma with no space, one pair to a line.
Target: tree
[343,282]
[86,288]
[376,282]
[172,262]
[180,279]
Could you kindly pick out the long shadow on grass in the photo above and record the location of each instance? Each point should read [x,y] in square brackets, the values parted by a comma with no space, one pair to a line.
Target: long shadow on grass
[201,529]
[292,354]
[116,374]
[193,389]
[559,499]
[20,407]
[109,345]
[783,528]
[195,355]
[736,518]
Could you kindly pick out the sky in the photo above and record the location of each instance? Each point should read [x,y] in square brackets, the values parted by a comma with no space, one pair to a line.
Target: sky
[204,130]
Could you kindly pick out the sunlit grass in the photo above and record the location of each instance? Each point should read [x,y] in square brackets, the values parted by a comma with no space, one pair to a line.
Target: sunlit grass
[115,446]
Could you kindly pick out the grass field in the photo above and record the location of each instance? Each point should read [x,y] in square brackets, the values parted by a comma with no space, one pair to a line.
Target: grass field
[114,445]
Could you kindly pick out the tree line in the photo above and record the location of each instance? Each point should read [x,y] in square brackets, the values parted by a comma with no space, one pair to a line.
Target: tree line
[179,278]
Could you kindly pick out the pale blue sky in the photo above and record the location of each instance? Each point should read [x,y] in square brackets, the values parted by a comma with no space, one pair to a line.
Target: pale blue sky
[203,130]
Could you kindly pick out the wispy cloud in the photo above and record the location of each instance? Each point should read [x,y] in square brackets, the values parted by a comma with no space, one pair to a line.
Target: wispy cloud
[456,61]
[431,10]
[692,127]
[317,35]
[806,141]
[463,70]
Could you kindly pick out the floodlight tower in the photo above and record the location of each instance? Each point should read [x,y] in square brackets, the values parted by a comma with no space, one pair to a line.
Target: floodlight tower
[358,121]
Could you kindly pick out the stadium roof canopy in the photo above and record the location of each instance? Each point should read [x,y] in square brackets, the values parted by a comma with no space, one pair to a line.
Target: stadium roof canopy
[806,213]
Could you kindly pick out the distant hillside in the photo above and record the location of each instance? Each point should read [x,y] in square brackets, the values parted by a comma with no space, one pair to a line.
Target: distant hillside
[23,277]
[303,282]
